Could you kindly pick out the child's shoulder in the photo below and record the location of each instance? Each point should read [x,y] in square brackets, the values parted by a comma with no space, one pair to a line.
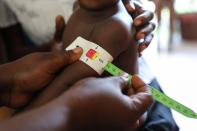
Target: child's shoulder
[115,31]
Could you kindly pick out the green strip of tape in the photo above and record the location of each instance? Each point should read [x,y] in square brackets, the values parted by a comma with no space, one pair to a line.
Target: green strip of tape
[157,95]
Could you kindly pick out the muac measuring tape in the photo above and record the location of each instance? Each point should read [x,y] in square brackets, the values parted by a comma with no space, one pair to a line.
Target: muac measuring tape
[157,95]
[100,60]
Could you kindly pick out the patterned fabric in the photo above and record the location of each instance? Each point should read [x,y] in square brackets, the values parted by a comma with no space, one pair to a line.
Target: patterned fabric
[37,17]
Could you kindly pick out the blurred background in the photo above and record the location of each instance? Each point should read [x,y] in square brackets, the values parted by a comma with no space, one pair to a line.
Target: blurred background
[173,54]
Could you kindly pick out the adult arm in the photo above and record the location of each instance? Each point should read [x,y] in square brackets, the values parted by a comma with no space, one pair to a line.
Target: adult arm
[81,108]
[114,37]
[21,78]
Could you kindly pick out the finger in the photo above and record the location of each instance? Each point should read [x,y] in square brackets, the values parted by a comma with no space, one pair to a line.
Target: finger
[135,126]
[19,100]
[146,42]
[142,15]
[52,62]
[143,18]
[73,55]
[15,100]
[60,26]
[57,40]
[145,31]
[130,92]
[121,82]
[139,9]
[139,86]
[142,99]
[129,5]
[61,59]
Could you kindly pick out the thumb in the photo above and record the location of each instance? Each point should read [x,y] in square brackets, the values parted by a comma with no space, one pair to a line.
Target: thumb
[145,43]
[142,99]
[129,5]
[63,58]
[72,55]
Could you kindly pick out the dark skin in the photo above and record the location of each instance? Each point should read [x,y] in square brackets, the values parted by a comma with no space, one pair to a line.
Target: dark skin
[19,80]
[60,27]
[121,116]
[20,47]
[142,16]
[100,27]
[142,23]
[81,108]
[13,35]
[34,71]
[105,24]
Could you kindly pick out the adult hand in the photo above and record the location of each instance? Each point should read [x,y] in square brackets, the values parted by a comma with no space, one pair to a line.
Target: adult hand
[32,73]
[101,104]
[91,104]
[142,22]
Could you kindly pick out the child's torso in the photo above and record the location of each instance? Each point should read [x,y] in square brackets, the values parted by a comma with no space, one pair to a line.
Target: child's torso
[90,27]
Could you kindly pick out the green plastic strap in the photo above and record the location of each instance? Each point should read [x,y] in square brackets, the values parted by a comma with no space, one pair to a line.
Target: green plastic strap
[169,102]
[157,95]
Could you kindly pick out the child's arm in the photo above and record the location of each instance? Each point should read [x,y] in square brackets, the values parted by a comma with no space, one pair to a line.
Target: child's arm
[113,37]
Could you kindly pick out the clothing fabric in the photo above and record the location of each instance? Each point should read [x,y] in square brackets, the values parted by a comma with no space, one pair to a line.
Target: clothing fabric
[37,17]
[145,72]
[7,17]
[159,117]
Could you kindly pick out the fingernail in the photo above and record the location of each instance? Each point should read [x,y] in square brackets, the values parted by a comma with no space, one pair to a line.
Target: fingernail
[126,77]
[78,50]
[132,5]
[140,41]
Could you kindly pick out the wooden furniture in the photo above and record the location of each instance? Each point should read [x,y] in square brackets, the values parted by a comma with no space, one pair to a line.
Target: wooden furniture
[160,4]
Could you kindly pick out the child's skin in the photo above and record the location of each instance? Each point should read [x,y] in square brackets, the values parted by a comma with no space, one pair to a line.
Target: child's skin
[105,22]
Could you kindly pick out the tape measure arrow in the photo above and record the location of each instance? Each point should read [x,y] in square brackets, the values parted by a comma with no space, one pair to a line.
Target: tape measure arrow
[157,95]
